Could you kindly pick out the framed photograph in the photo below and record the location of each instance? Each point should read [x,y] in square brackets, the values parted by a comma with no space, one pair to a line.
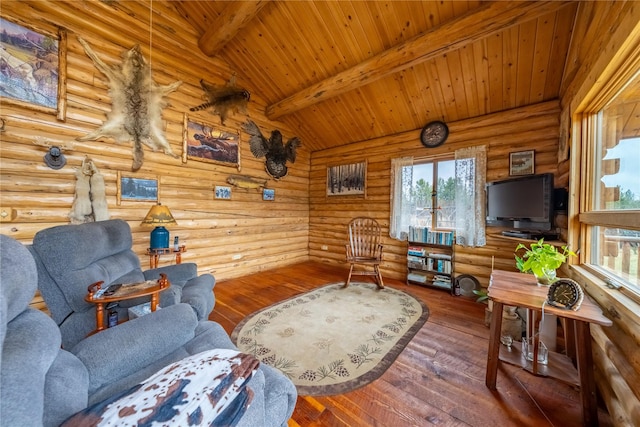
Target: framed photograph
[222,192]
[34,68]
[346,180]
[137,189]
[268,194]
[521,163]
[210,143]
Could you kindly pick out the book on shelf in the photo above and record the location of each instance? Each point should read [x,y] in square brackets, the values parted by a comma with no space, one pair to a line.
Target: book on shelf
[439,256]
[438,265]
[416,262]
[440,278]
[418,259]
[441,284]
[415,277]
[426,235]
[416,250]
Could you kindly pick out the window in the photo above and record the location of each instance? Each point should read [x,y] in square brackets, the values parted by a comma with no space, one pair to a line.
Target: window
[434,192]
[610,213]
[440,193]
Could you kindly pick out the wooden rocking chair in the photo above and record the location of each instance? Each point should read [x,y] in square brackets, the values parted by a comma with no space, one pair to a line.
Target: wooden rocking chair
[364,248]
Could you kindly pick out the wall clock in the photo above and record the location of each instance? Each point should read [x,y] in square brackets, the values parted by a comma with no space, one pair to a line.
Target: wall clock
[565,293]
[434,134]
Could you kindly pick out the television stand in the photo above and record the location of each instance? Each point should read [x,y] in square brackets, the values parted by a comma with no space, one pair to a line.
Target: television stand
[520,234]
[530,235]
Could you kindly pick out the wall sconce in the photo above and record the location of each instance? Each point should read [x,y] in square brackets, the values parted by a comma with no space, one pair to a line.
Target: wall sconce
[159,216]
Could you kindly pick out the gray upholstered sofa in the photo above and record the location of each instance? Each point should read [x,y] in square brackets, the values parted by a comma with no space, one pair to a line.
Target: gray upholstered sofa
[43,384]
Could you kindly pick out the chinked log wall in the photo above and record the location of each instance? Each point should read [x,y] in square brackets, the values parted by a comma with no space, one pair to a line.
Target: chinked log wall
[529,128]
[229,238]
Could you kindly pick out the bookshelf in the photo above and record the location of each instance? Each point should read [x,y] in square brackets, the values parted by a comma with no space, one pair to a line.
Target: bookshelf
[430,258]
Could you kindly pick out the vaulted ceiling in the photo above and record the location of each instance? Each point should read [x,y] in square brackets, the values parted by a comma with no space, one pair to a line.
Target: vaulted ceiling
[343,71]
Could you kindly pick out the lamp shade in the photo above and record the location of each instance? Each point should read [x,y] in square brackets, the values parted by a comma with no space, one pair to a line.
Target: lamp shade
[159,216]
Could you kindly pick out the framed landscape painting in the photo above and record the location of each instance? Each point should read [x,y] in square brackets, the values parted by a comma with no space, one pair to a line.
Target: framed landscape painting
[209,143]
[137,189]
[33,68]
[346,180]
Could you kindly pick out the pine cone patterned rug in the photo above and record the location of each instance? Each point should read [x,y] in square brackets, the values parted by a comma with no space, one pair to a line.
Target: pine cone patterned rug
[333,339]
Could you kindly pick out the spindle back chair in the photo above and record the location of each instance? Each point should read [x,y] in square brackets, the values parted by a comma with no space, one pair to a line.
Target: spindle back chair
[364,249]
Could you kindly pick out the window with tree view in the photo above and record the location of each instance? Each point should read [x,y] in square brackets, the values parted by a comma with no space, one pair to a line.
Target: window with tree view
[434,192]
[612,209]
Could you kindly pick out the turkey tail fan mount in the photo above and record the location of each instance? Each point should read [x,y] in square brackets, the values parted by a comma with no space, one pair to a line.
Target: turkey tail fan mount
[275,152]
[224,100]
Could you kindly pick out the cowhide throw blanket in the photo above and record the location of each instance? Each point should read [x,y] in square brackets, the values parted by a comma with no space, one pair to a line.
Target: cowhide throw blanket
[206,389]
[137,103]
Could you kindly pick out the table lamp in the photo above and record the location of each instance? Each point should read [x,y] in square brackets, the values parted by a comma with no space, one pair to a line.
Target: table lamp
[159,216]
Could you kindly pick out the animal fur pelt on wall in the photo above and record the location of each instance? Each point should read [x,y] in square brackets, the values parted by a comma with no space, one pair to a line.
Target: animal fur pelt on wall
[275,152]
[224,100]
[90,201]
[137,103]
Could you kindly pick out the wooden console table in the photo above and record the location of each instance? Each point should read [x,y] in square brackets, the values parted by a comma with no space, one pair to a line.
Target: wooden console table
[517,289]
[154,254]
[125,292]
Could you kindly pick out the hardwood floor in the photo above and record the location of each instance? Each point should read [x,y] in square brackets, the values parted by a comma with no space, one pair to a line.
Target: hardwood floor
[437,380]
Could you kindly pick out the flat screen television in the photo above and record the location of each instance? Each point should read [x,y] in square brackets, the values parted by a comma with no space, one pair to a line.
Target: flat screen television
[523,204]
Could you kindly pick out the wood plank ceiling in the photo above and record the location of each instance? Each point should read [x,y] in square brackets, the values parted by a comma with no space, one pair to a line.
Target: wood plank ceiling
[337,72]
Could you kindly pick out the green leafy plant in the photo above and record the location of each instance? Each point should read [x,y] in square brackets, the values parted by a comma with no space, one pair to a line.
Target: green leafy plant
[483,294]
[542,259]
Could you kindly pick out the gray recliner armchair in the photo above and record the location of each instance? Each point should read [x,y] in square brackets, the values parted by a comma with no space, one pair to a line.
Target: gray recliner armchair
[72,257]
[42,384]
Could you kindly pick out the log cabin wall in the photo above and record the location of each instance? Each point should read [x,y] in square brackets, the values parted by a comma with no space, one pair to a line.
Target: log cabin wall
[229,238]
[534,127]
[615,349]
[232,238]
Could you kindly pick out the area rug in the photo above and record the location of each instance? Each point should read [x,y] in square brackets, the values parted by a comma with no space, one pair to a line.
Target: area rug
[333,339]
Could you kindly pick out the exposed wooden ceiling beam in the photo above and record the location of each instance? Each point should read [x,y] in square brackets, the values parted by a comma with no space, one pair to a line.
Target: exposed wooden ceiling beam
[234,17]
[448,37]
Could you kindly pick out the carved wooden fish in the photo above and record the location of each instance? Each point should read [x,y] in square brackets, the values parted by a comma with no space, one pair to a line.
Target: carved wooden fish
[245,181]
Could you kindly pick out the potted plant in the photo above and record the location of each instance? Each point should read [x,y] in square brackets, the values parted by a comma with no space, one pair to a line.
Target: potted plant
[542,259]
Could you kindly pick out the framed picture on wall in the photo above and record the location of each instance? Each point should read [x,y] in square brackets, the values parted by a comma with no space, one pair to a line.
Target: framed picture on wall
[210,143]
[268,194]
[222,192]
[137,189]
[521,163]
[32,76]
[347,180]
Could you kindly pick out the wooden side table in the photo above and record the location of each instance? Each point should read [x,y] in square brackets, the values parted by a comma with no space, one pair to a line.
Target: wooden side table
[154,254]
[517,289]
[125,292]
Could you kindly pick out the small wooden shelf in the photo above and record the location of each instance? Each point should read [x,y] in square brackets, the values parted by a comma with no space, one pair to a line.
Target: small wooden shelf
[558,366]
[422,269]
[154,254]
